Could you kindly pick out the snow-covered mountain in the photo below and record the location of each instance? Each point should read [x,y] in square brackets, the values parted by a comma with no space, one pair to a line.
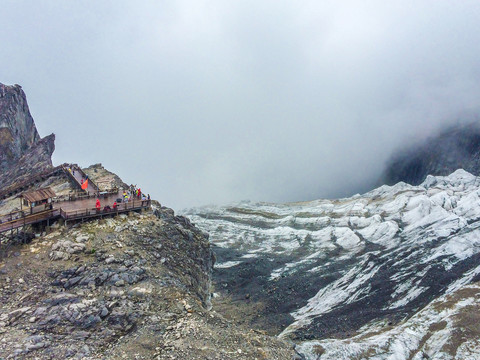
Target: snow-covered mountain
[385,275]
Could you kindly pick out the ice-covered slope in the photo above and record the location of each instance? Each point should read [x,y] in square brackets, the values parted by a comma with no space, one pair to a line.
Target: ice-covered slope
[338,269]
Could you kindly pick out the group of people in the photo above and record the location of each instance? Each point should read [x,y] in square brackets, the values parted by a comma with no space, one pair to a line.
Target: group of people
[127,195]
[134,193]
[106,208]
[137,192]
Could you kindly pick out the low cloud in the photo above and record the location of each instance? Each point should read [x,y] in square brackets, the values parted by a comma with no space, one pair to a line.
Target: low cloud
[213,102]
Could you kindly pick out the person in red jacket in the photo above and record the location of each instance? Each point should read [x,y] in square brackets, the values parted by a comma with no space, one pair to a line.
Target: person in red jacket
[97,205]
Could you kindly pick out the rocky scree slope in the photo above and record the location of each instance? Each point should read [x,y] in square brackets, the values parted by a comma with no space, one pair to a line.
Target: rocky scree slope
[130,287]
[22,152]
[391,274]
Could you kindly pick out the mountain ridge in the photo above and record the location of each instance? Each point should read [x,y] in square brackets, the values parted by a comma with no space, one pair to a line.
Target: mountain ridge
[455,147]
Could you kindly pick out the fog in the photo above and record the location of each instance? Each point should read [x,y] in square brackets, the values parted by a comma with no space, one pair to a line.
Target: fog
[201,102]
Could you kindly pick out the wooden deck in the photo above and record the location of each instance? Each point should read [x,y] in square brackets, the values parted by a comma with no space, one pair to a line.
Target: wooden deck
[82,208]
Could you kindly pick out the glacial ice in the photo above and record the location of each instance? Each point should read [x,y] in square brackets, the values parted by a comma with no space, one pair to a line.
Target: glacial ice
[418,239]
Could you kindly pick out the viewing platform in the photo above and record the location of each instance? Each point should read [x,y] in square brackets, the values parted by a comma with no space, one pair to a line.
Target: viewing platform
[72,209]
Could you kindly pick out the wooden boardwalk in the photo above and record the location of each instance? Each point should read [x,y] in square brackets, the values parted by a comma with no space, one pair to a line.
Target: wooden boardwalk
[21,221]
[76,174]
[72,213]
[82,208]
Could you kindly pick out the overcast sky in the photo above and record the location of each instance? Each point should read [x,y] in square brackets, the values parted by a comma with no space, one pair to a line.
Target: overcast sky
[202,102]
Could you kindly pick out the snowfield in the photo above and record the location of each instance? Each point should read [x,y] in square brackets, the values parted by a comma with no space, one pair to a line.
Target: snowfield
[395,268]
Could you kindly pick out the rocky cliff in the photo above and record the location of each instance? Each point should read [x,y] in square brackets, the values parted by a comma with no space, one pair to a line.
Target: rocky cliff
[22,152]
[457,147]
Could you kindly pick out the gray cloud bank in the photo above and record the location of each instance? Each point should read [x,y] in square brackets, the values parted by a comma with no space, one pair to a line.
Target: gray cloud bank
[217,101]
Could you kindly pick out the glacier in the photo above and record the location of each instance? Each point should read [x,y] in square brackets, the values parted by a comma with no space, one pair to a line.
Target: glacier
[383,275]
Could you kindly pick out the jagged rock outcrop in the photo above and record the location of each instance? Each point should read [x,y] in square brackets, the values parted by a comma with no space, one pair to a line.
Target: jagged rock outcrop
[457,147]
[22,152]
[17,129]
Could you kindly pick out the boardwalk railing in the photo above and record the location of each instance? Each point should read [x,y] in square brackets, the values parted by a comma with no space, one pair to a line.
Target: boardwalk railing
[18,214]
[93,212]
[28,220]
[14,215]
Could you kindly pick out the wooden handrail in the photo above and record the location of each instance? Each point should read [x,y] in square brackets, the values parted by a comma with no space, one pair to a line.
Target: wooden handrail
[27,220]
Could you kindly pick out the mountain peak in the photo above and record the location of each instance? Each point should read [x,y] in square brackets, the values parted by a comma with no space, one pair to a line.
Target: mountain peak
[22,152]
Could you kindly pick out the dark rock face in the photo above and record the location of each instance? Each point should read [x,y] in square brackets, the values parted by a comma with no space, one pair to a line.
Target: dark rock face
[17,129]
[35,161]
[22,152]
[455,148]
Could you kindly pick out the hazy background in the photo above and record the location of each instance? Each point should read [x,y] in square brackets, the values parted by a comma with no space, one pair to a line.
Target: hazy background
[215,101]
